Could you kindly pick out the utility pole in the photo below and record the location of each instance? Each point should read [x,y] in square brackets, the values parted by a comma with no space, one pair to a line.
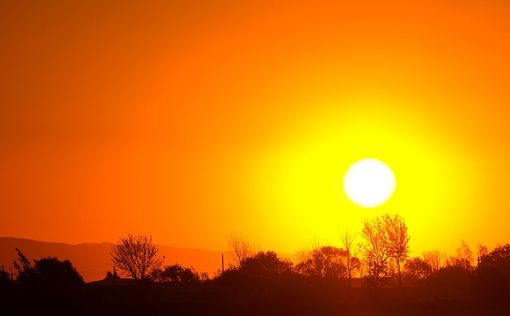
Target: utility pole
[222,264]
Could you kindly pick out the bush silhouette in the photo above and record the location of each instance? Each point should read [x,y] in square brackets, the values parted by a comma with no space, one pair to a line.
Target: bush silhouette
[6,283]
[56,274]
[452,282]
[176,274]
[264,266]
[44,285]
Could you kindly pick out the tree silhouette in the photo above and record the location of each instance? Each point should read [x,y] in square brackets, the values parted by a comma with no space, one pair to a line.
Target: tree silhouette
[463,256]
[348,243]
[325,262]
[375,249]
[433,258]
[241,248]
[397,245]
[493,275]
[136,255]
[417,268]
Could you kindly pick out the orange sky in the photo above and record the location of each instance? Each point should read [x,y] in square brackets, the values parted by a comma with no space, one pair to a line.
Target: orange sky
[193,121]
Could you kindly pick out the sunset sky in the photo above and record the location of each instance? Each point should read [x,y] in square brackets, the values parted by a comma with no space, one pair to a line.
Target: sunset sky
[192,120]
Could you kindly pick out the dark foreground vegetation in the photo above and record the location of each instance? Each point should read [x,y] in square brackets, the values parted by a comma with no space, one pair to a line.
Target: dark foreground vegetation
[263,284]
[382,280]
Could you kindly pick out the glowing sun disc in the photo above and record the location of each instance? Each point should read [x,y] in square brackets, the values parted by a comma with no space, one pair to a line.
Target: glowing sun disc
[369,182]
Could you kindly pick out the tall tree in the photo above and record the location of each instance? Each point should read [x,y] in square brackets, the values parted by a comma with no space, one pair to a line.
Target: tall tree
[375,249]
[348,243]
[136,255]
[397,245]
[386,242]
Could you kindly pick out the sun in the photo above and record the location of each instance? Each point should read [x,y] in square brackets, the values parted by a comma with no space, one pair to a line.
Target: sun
[369,182]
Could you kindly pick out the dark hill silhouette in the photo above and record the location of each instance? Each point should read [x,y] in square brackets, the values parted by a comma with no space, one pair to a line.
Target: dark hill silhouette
[92,260]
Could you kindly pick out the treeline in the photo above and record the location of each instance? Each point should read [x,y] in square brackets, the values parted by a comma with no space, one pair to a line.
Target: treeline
[366,267]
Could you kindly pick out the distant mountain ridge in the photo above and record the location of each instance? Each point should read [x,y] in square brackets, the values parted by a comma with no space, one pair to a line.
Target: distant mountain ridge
[92,260]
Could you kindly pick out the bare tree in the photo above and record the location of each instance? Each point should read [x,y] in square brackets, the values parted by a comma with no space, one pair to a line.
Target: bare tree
[397,245]
[433,258]
[386,243]
[136,255]
[375,249]
[463,256]
[348,243]
[241,248]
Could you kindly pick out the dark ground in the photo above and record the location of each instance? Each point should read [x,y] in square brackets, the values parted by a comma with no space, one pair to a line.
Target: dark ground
[217,299]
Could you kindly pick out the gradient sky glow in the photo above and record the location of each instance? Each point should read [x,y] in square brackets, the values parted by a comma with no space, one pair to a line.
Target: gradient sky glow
[190,120]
